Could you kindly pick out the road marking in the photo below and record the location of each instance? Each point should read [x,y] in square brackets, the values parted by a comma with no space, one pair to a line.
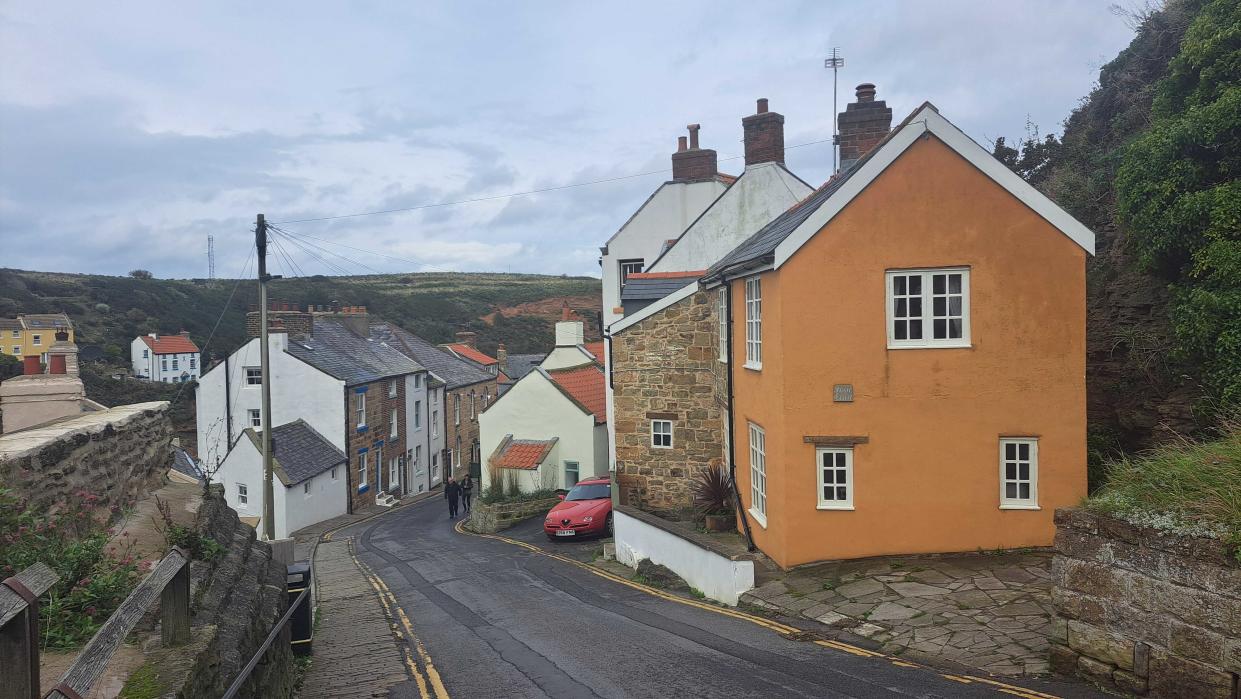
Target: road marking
[395,612]
[757,620]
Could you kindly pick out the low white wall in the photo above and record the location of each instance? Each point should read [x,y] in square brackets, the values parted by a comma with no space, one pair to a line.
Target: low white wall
[714,575]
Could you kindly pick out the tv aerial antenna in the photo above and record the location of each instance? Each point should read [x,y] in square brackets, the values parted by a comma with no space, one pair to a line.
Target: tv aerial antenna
[835,62]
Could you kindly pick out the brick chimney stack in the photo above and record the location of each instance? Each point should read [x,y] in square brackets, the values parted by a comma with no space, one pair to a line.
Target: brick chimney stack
[502,357]
[693,164]
[764,136]
[467,338]
[862,125]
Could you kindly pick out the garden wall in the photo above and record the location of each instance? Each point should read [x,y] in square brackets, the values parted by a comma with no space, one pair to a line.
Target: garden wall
[1145,612]
[491,518]
[722,576]
[118,454]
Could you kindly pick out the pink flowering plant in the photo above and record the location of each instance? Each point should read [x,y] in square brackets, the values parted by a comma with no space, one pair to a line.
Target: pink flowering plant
[95,575]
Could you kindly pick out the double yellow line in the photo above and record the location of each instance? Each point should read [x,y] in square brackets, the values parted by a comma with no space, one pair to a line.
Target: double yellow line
[430,686]
[782,629]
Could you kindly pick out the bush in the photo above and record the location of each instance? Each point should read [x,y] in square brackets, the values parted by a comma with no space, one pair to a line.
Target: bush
[712,490]
[201,548]
[1186,487]
[95,577]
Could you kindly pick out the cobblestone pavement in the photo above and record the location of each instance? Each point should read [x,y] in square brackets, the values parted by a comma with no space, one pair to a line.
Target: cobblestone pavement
[987,611]
[355,650]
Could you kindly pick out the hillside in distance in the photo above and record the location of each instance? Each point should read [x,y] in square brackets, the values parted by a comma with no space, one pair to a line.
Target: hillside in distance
[519,310]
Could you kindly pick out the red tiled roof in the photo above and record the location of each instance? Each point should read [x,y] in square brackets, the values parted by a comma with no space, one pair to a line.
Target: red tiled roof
[471,354]
[585,384]
[170,344]
[666,275]
[595,348]
[525,454]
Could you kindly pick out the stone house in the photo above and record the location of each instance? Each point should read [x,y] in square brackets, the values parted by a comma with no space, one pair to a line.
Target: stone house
[905,344]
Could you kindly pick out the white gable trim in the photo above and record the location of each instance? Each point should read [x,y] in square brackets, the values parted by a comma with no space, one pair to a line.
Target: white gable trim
[924,121]
[682,293]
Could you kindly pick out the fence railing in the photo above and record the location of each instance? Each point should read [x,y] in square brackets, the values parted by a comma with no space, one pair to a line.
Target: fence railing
[169,580]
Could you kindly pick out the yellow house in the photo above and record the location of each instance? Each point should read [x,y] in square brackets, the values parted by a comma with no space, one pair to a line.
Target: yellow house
[32,333]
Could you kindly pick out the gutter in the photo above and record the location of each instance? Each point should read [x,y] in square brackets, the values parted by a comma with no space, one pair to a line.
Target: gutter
[732,440]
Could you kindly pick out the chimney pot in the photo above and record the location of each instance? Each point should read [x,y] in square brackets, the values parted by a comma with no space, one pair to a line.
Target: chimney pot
[30,365]
[866,92]
[57,364]
[762,105]
[693,135]
[681,144]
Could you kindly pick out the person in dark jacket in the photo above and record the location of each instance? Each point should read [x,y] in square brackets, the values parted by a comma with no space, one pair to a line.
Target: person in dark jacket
[467,490]
[452,492]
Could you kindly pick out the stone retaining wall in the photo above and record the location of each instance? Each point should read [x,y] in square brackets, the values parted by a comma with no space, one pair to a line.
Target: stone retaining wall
[116,454]
[489,519]
[1142,611]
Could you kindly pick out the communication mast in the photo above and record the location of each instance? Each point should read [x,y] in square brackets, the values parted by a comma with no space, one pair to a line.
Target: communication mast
[835,62]
[211,257]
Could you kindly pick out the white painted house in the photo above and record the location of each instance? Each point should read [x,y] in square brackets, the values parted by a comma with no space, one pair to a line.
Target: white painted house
[695,183]
[310,478]
[165,358]
[548,431]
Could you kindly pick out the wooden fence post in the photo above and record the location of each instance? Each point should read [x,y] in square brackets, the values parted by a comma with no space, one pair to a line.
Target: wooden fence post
[19,631]
[174,606]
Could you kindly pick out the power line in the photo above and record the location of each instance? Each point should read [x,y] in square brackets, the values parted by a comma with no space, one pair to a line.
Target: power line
[373,252]
[332,266]
[203,350]
[305,243]
[542,190]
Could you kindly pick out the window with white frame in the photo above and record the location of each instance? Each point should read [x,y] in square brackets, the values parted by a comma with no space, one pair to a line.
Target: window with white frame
[758,473]
[661,434]
[17,349]
[360,408]
[1018,472]
[418,459]
[835,468]
[435,466]
[394,473]
[572,473]
[393,426]
[36,339]
[361,469]
[473,398]
[417,380]
[175,364]
[723,312]
[17,334]
[146,354]
[256,418]
[417,414]
[243,494]
[928,307]
[456,411]
[306,488]
[163,364]
[254,376]
[628,267]
[193,363]
[754,323]
[435,423]
[392,389]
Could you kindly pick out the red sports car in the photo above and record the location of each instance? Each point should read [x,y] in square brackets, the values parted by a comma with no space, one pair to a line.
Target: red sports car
[586,510]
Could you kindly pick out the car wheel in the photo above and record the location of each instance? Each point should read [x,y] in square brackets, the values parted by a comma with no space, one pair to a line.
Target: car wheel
[607,525]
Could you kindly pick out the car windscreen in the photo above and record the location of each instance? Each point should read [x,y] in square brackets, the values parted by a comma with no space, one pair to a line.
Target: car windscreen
[598,491]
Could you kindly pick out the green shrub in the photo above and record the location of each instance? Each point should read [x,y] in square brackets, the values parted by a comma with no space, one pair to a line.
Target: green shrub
[95,576]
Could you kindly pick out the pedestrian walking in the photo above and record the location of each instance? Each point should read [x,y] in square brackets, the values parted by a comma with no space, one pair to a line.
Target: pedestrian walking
[467,490]
[452,492]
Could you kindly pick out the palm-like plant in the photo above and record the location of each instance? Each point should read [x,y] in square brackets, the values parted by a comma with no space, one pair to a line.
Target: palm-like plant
[712,491]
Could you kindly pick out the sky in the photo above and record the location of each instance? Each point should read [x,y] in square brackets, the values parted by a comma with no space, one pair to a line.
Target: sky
[130,132]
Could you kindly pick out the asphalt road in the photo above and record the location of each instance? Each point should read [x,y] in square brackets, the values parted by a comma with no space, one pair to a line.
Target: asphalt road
[499,620]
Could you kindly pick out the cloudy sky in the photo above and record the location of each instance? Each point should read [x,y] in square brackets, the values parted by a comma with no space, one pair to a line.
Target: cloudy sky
[130,131]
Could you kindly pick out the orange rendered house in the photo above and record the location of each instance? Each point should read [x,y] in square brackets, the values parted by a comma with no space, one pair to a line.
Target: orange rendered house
[908,357]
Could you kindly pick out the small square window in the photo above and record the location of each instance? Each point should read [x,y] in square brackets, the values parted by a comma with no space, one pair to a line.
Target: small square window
[36,339]
[254,376]
[243,494]
[661,434]
[835,467]
[1019,473]
[256,418]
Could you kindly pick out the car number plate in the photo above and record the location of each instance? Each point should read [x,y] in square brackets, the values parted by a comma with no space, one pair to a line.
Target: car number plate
[565,532]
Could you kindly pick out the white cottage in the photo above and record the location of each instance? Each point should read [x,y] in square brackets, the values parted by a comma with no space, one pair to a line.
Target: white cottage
[165,358]
[310,484]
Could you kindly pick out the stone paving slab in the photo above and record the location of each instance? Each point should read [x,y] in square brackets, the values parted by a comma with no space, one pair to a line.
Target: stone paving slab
[990,611]
[355,651]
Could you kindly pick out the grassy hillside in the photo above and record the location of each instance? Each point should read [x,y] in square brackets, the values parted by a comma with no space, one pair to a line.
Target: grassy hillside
[517,309]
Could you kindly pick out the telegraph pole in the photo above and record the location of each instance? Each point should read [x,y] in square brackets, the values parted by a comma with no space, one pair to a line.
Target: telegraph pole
[269,509]
[835,62]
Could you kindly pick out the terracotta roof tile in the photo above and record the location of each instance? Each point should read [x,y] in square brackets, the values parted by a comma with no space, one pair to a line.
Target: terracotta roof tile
[595,348]
[585,384]
[170,344]
[524,454]
[463,350]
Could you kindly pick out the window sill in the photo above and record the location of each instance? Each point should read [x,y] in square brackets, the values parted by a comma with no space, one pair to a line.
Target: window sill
[1019,507]
[758,517]
[752,366]
[655,446]
[840,508]
[955,345]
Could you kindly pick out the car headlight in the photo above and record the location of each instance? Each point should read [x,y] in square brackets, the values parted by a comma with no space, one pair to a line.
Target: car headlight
[588,520]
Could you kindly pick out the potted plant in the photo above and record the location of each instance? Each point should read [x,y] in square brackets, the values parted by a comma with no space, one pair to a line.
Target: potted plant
[712,492]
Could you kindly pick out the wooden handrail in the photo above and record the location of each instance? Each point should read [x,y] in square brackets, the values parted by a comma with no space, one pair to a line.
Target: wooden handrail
[171,581]
[19,630]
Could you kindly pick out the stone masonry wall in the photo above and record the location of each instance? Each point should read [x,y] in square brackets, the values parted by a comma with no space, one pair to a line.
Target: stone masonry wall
[491,518]
[116,454]
[1145,612]
[667,367]
[381,446]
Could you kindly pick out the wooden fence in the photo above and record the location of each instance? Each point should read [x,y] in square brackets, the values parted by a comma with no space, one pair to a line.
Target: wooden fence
[19,622]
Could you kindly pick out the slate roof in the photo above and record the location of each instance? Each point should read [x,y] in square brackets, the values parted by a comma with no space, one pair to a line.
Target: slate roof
[336,350]
[182,462]
[525,454]
[10,324]
[170,344]
[300,453]
[585,385]
[652,288]
[45,320]
[521,364]
[454,371]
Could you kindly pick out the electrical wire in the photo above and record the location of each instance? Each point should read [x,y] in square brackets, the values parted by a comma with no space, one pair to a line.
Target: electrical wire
[302,240]
[203,350]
